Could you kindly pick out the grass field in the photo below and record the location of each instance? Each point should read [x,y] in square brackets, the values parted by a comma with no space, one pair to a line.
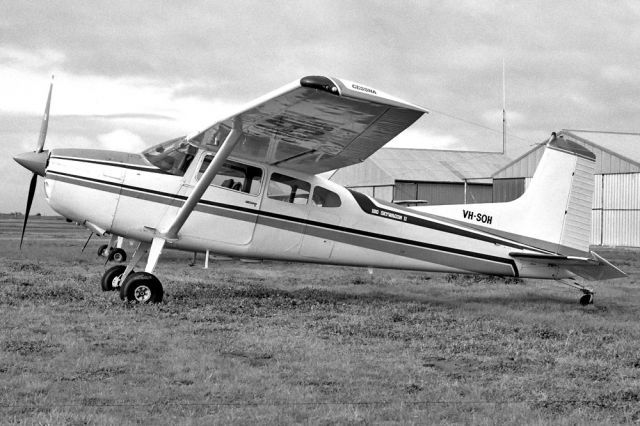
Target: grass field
[278,343]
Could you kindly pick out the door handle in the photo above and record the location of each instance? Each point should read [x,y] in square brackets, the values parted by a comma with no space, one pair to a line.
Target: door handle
[253,203]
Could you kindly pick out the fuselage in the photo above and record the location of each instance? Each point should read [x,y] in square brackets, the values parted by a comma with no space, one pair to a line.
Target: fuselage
[261,211]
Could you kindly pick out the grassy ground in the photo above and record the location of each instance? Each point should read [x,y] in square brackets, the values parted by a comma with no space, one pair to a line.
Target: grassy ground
[286,343]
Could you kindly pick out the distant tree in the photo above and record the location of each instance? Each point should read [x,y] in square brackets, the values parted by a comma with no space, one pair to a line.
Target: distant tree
[38,214]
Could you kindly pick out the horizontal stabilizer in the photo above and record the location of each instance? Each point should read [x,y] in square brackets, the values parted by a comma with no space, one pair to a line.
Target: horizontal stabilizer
[594,268]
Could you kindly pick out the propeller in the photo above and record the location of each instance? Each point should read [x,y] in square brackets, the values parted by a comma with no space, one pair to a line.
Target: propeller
[35,161]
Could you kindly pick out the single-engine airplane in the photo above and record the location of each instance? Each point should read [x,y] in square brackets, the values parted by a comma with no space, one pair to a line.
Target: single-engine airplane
[248,186]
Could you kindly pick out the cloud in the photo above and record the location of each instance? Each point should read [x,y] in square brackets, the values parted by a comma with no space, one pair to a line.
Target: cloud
[617,73]
[121,140]
[422,139]
[165,69]
[493,118]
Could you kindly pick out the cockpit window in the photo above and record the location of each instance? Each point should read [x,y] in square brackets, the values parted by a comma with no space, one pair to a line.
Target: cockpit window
[173,156]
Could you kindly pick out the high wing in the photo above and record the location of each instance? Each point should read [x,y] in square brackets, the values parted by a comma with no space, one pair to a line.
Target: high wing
[313,125]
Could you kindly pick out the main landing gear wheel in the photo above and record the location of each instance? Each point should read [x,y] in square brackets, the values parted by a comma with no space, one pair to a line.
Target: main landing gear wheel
[118,255]
[586,299]
[141,287]
[112,278]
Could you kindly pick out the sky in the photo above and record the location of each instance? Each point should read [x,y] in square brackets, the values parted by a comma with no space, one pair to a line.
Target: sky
[129,74]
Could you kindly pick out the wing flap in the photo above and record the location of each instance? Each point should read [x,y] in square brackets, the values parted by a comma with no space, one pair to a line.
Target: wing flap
[595,268]
[314,125]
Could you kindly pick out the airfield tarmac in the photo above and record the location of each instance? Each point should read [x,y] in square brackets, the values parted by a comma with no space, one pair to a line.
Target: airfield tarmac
[279,343]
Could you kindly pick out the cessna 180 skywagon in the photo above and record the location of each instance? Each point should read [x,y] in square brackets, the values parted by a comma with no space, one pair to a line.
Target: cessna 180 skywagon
[248,186]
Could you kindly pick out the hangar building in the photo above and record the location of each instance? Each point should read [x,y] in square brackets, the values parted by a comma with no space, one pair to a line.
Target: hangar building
[421,176]
[616,198]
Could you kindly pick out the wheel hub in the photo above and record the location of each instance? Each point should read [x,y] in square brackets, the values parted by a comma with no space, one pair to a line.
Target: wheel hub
[115,283]
[142,293]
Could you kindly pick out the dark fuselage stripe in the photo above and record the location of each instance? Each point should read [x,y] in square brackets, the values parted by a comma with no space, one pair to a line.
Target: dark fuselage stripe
[285,222]
[369,207]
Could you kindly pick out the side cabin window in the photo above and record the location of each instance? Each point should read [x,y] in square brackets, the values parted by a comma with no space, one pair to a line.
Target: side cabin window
[288,189]
[235,176]
[325,198]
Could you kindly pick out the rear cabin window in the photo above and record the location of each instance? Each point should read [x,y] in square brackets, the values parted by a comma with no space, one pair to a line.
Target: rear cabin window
[235,176]
[288,189]
[325,198]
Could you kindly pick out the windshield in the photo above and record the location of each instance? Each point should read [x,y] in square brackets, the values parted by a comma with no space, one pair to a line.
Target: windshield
[173,156]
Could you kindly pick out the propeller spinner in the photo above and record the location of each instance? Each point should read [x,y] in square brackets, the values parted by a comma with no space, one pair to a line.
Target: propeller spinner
[35,161]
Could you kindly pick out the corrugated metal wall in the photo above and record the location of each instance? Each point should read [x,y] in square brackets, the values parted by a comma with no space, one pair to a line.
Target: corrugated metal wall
[441,193]
[615,214]
[437,193]
[507,189]
[382,192]
[479,193]
[616,210]
[406,191]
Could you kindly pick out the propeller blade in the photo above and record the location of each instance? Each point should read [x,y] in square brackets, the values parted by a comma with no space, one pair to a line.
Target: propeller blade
[32,189]
[45,121]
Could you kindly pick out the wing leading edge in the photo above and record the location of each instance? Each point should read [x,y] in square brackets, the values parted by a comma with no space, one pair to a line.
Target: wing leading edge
[313,125]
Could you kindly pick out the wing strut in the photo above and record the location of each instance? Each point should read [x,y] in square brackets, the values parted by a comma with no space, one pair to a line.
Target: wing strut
[171,232]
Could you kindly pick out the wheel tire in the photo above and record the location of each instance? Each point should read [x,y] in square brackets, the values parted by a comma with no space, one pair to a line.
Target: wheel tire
[586,299]
[111,279]
[118,255]
[142,287]
[102,250]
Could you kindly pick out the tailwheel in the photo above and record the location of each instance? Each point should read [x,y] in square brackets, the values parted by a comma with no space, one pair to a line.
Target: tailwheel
[587,293]
[118,255]
[141,287]
[112,278]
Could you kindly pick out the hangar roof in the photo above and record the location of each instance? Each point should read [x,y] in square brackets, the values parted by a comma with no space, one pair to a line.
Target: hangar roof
[615,152]
[623,144]
[388,165]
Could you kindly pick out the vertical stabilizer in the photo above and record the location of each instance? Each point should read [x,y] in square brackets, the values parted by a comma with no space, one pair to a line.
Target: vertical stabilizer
[554,213]
[557,205]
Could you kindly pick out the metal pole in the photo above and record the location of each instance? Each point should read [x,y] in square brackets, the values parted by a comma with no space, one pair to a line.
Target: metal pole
[504,114]
[465,191]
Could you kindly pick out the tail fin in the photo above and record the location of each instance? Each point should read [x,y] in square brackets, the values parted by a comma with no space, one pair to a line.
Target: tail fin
[556,206]
[554,213]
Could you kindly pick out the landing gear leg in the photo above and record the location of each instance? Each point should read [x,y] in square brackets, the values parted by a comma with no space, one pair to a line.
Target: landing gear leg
[114,277]
[144,287]
[588,293]
[113,251]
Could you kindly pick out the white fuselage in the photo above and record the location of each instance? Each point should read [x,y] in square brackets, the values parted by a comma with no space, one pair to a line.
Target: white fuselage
[132,199]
